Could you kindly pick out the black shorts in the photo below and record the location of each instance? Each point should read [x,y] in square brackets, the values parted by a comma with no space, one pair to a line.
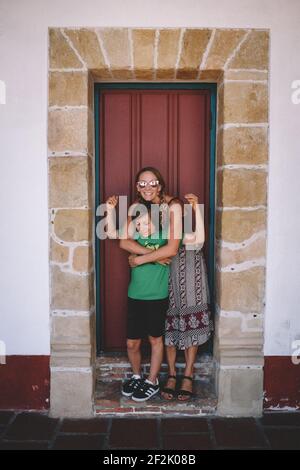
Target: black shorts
[146,318]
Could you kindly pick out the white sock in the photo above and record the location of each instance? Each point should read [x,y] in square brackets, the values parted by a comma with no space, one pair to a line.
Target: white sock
[149,382]
[136,376]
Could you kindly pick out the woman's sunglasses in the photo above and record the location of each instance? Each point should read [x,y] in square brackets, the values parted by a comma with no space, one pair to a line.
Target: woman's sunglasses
[143,184]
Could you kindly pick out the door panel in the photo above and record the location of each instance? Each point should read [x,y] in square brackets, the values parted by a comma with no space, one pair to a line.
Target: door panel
[193,150]
[167,129]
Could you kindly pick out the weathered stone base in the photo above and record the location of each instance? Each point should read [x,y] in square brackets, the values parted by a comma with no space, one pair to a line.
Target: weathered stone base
[239,391]
[72,392]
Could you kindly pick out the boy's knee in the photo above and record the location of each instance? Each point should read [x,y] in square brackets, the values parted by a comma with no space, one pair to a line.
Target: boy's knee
[154,341]
[133,344]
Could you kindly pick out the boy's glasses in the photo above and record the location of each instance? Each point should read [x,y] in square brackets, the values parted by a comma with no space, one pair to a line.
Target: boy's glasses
[143,184]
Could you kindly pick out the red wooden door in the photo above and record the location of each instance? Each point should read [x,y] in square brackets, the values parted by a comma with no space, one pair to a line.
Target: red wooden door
[167,129]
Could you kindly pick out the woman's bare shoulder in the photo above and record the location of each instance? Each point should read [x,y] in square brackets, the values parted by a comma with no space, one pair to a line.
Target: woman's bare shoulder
[168,198]
[174,201]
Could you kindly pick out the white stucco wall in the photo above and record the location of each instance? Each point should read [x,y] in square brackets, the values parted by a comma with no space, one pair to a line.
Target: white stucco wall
[24,281]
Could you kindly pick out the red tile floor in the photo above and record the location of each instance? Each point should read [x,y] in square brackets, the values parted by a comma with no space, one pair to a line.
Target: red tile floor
[32,430]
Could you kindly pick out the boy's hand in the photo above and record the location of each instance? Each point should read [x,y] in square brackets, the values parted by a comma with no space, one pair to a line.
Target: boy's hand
[111,202]
[133,261]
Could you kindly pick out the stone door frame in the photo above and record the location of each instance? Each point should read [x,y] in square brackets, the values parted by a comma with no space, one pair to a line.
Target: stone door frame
[238,61]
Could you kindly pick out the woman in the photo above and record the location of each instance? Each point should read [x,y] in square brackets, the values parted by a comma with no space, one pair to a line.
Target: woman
[188,322]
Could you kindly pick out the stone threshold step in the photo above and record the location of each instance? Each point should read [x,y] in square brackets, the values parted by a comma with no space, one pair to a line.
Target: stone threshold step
[109,400]
[116,367]
[150,412]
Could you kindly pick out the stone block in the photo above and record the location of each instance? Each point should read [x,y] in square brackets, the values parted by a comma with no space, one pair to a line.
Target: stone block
[243,102]
[69,181]
[71,329]
[241,291]
[83,258]
[253,53]
[224,43]
[116,45]
[71,291]
[71,393]
[67,130]
[242,146]
[240,391]
[143,52]
[235,226]
[73,225]
[87,45]
[61,55]
[167,52]
[242,187]
[58,252]
[250,253]
[194,45]
[67,88]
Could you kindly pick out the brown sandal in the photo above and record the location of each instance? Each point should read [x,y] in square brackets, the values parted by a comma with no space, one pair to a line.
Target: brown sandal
[185,393]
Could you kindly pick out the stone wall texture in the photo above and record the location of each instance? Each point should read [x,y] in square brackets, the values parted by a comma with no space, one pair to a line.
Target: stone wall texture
[238,61]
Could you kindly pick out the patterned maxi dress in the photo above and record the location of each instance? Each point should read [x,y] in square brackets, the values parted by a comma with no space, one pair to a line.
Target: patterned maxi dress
[188,320]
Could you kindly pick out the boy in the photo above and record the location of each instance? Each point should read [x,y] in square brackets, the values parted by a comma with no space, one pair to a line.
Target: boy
[147,306]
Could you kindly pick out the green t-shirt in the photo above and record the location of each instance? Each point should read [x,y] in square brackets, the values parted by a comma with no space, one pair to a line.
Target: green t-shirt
[150,281]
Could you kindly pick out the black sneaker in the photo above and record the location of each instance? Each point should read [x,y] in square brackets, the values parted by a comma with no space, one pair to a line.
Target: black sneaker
[130,385]
[145,391]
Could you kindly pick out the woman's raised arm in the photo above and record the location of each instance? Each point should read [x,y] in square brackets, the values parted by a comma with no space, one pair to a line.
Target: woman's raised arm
[195,239]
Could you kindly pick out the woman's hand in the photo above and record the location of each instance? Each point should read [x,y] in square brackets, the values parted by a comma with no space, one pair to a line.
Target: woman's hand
[112,202]
[165,261]
[133,261]
[192,199]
